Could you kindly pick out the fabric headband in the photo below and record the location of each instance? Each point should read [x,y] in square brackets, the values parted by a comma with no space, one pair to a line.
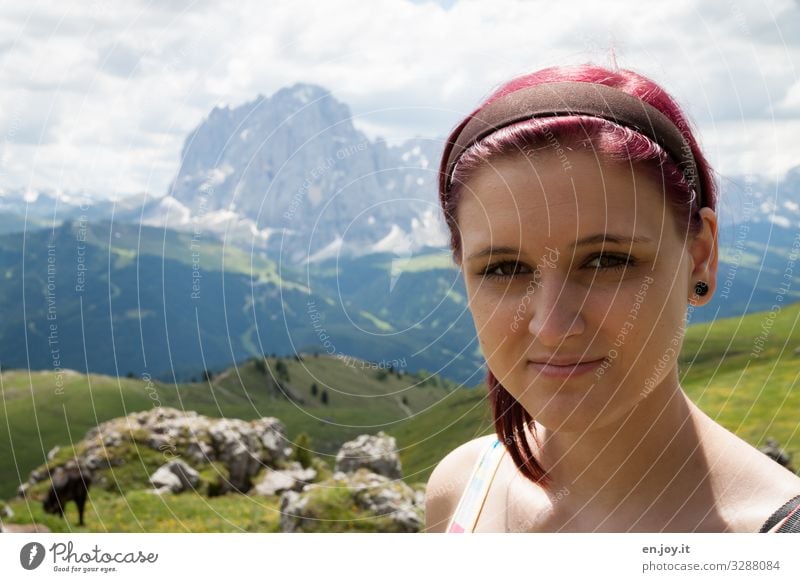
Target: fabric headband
[573,98]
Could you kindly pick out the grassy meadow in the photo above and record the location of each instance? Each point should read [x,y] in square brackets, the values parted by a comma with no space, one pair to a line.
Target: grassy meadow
[743,372]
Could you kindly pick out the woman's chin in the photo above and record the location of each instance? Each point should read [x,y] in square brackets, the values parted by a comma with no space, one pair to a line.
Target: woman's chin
[569,410]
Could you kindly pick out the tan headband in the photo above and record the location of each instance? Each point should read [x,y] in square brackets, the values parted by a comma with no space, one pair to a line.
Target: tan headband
[574,98]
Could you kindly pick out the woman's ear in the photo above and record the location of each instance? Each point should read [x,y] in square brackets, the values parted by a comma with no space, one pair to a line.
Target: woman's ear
[704,252]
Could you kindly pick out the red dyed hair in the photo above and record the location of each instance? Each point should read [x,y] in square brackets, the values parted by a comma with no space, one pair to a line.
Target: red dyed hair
[606,138]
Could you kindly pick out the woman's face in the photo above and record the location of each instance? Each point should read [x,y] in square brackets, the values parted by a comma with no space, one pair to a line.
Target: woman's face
[551,288]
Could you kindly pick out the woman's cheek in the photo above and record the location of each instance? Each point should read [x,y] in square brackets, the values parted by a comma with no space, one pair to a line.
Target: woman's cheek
[497,316]
[502,310]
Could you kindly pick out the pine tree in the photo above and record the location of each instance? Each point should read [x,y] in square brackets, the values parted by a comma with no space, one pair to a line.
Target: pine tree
[261,365]
[282,370]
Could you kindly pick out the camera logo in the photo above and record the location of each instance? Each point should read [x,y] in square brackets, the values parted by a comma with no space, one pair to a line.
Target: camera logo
[31,555]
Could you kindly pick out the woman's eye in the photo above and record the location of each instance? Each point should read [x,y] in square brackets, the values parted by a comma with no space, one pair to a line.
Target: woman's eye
[617,261]
[504,270]
[510,269]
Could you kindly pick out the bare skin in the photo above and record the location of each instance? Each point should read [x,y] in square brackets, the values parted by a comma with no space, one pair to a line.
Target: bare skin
[626,449]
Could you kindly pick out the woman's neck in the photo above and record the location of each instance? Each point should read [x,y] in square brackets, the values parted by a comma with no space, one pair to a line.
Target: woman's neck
[651,460]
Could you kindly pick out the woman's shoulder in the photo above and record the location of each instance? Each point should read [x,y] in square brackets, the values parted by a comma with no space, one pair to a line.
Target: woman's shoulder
[448,481]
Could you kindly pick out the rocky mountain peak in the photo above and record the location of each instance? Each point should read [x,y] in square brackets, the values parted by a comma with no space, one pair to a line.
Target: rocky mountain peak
[294,164]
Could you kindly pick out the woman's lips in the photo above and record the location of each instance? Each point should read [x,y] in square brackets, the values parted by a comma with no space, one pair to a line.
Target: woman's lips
[553,371]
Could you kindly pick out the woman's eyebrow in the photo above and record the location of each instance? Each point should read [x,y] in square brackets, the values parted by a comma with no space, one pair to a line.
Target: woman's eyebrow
[587,240]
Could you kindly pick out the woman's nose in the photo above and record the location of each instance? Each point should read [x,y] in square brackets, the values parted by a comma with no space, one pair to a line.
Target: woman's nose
[555,311]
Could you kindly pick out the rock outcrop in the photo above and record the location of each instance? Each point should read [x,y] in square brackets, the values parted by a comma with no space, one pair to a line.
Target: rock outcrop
[168,451]
[279,480]
[175,476]
[242,447]
[377,453]
[364,494]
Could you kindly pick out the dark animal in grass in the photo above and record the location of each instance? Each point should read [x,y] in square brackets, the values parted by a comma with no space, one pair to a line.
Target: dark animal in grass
[68,484]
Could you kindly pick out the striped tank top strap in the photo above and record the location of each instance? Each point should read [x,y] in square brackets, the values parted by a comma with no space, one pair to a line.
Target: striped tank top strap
[474,496]
[786,519]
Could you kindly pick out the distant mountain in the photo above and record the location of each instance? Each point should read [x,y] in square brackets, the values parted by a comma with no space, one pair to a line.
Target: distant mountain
[291,175]
[119,299]
[294,166]
[292,207]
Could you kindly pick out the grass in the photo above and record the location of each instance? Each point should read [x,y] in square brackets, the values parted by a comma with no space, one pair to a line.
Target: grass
[38,414]
[140,511]
[743,372]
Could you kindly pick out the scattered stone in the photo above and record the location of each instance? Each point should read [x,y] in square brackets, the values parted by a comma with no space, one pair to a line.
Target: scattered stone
[291,479]
[391,505]
[377,453]
[176,476]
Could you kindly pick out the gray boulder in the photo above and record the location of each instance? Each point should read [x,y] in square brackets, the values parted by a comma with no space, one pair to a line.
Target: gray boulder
[291,479]
[386,505]
[176,476]
[377,453]
[244,448]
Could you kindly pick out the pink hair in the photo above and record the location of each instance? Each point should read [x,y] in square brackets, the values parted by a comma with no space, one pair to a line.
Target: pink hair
[618,143]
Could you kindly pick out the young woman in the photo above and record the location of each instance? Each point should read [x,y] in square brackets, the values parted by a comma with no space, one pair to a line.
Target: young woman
[581,213]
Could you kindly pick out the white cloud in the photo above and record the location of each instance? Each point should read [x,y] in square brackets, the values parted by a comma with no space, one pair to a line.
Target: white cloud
[99,96]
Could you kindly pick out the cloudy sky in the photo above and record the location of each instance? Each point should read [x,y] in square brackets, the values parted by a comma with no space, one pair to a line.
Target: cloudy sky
[98,96]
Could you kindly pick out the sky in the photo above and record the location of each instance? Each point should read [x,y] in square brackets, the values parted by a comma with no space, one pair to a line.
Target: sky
[98,96]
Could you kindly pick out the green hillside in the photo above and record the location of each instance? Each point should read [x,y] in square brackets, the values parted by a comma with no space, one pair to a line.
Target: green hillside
[144,299]
[754,397]
[40,415]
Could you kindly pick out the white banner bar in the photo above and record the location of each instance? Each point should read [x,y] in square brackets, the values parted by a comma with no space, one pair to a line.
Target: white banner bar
[400,557]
